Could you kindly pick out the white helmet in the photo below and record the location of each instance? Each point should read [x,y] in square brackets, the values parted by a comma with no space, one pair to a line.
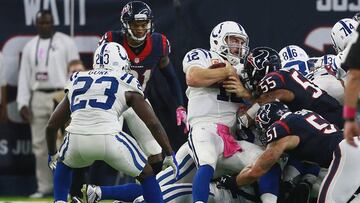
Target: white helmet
[341,33]
[292,52]
[219,41]
[111,56]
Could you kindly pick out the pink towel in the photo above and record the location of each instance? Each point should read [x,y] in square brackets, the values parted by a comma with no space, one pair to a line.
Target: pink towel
[230,144]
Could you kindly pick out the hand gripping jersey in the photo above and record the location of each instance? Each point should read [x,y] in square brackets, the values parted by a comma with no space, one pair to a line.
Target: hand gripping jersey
[307,94]
[211,104]
[318,138]
[143,63]
[97,99]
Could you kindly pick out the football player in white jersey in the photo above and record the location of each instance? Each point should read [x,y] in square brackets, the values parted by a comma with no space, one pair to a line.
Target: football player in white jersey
[294,57]
[95,100]
[187,169]
[341,34]
[211,108]
[320,70]
[182,193]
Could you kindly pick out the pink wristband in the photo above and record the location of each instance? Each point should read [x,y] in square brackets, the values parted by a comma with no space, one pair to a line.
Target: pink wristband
[349,112]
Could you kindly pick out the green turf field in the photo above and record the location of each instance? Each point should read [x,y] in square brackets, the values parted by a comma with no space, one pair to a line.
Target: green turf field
[24,199]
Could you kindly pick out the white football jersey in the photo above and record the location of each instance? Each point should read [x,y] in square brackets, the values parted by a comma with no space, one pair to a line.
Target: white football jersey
[97,99]
[334,65]
[209,104]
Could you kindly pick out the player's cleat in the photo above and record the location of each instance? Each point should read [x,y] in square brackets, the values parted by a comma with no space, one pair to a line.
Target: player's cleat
[91,193]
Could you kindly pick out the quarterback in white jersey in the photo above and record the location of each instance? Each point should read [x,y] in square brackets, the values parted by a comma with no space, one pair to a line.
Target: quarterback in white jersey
[212,106]
[95,100]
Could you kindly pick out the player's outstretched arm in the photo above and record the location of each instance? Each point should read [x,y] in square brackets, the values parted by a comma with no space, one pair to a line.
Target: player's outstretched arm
[57,119]
[263,164]
[146,114]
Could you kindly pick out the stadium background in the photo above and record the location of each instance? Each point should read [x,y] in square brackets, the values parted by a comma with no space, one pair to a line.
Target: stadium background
[186,23]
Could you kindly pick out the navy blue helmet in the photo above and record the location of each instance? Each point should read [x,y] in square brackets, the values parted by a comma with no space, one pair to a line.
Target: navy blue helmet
[137,11]
[269,113]
[260,61]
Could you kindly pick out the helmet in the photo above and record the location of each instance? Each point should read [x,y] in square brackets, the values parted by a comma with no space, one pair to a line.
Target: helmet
[292,52]
[111,56]
[356,17]
[136,11]
[220,42]
[269,113]
[341,33]
[260,61]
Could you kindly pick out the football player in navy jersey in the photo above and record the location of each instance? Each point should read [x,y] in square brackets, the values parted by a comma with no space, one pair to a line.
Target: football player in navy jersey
[262,77]
[147,51]
[306,136]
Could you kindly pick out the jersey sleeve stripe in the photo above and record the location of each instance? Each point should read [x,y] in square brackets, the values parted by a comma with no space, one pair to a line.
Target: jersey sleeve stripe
[164,45]
[279,75]
[284,125]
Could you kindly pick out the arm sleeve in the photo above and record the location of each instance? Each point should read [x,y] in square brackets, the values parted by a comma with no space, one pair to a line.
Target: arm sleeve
[174,84]
[24,90]
[352,59]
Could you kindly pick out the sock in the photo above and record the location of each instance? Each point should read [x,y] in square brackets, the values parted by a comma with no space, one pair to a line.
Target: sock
[128,192]
[201,183]
[268,198]
[151,190]
[270,181]
[62,181]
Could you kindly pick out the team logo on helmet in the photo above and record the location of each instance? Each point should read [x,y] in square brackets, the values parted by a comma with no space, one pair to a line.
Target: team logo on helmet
[263,115]
[259,60]
[126,9]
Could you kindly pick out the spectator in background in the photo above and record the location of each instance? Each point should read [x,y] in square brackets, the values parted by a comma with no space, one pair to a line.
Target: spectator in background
[43,72]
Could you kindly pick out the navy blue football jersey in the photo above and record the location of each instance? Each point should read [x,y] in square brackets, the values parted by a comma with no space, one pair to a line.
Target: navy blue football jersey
[143,63]
[307,94]
[318,137]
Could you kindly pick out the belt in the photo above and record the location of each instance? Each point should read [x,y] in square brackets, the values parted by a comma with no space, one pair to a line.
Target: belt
[49,90]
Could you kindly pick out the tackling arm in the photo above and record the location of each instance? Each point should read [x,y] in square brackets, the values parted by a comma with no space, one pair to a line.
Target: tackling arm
[263,164]
[146,114]
[247,119]
[57,119]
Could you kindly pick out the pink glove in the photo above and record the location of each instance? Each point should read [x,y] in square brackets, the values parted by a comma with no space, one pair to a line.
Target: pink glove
[181,116]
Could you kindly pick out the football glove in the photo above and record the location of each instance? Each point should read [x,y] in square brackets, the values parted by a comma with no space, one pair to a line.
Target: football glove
[171,161]
[228,182]
[52,160]
[181,117]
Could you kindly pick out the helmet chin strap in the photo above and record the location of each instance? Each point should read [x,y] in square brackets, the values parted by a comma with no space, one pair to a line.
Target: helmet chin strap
[135,42]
